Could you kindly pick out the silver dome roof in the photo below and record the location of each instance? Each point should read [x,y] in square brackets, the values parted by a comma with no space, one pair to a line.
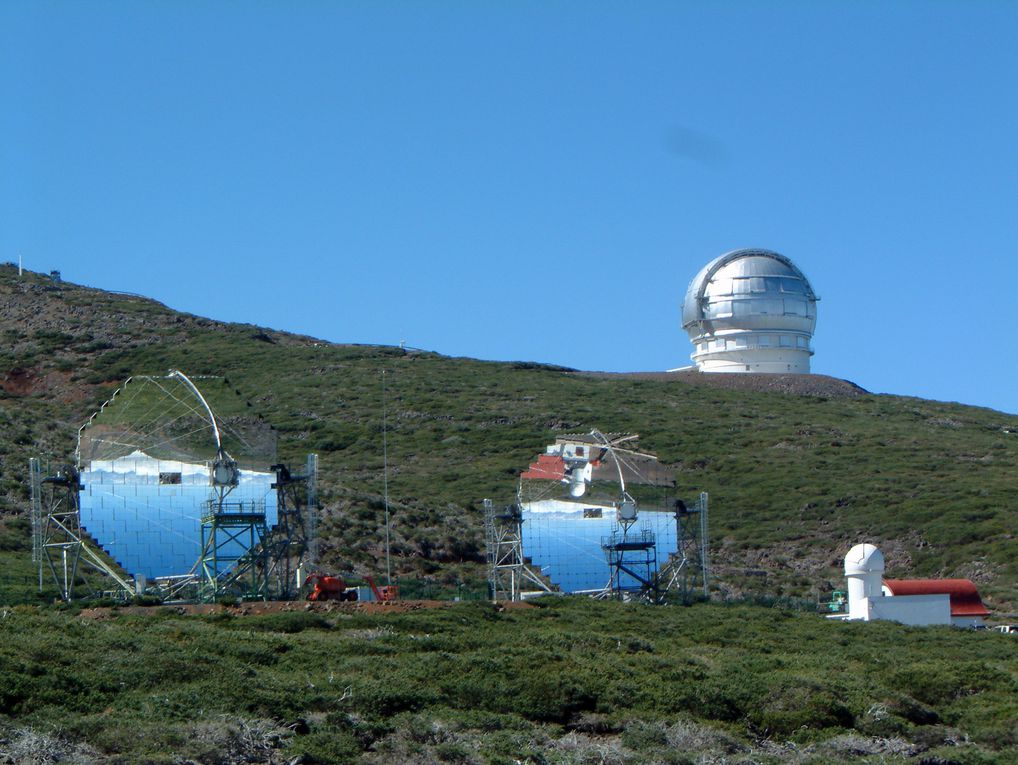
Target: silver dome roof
[754,278]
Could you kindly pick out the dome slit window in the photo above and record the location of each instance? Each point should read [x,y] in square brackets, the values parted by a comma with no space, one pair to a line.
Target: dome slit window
[722,288]
[795,307]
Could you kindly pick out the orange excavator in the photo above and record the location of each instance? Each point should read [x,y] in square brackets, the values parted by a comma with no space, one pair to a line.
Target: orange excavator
[326,587]
[387,593]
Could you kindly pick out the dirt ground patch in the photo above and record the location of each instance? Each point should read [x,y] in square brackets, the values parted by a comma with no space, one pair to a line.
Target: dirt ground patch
[795,384]
[259,608]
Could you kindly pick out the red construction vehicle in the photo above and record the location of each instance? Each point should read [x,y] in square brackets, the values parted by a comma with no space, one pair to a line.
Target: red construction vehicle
[384,594]
[324,587]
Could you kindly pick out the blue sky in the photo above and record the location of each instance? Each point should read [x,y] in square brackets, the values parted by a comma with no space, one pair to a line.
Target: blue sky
[530,180]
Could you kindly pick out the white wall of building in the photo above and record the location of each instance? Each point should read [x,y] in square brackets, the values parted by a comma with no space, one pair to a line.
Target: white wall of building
[713,356]
[968,622]
[918,610]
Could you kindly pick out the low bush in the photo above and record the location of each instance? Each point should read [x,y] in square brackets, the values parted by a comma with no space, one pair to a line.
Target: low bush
[290,622]
[794,704]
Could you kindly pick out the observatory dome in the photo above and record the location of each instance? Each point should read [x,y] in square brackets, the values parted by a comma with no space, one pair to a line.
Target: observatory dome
[864,559]
[750,310]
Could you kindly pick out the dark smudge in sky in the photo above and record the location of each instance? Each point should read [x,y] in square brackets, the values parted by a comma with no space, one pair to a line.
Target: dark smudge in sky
[692,144]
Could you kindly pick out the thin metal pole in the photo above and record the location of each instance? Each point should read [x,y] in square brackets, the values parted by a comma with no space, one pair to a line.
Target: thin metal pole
[704,545]
[385,483]
[66,588]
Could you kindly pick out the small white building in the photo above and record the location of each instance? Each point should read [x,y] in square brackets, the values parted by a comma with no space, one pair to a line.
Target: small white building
[918,602]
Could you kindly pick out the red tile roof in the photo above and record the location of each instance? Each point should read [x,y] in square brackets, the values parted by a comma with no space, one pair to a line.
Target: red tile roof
[965,600]
[549,467]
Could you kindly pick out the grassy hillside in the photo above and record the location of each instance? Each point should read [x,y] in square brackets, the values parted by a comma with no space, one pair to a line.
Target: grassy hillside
[570,681]
[794,479]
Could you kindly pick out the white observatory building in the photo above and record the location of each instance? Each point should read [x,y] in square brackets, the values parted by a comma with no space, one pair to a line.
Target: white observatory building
[918,602]
[750,311]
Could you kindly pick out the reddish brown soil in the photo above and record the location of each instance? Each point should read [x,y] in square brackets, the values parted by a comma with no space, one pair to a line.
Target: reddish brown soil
[280,606]
[52,383]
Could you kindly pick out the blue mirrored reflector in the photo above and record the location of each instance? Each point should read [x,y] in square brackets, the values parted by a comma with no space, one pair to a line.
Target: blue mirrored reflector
[146,513]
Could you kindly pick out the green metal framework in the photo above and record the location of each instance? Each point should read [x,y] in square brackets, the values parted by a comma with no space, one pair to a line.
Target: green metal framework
[234,559]
[632,553]
[242,557]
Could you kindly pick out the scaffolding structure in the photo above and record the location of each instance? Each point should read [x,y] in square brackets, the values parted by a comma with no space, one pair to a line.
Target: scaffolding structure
[687,572]
[632,555]
[61,547]
[234,559]
[507,568]
[291,545]
[243,557]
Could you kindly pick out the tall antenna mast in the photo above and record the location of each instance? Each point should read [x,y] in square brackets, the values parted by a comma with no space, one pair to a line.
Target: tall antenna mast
[385,483]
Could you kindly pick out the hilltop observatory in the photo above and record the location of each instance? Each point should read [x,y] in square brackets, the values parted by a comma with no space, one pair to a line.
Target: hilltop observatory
[750,311]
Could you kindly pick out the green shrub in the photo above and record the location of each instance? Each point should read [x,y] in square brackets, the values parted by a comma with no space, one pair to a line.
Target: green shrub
[938,682]
[290,622]
[642,736]
[327,746]
[390,695]
[795,704]
[550,696]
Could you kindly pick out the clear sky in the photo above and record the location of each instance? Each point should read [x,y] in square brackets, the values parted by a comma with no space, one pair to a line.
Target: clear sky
[530,180]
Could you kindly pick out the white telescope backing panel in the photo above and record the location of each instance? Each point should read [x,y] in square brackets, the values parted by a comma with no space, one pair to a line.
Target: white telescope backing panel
[750,311]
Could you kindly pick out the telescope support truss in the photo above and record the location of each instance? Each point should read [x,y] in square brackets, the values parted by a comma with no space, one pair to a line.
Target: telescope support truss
[507,569]
[61,548]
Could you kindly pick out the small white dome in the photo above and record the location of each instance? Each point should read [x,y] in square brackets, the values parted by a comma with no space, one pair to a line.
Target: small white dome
[864,559]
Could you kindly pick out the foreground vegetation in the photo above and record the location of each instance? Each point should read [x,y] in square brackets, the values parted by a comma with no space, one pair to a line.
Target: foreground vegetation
[564,681]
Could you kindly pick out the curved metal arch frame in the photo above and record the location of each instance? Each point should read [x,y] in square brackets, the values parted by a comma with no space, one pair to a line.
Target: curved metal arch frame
[610,447]
[172,374]
[177,374]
